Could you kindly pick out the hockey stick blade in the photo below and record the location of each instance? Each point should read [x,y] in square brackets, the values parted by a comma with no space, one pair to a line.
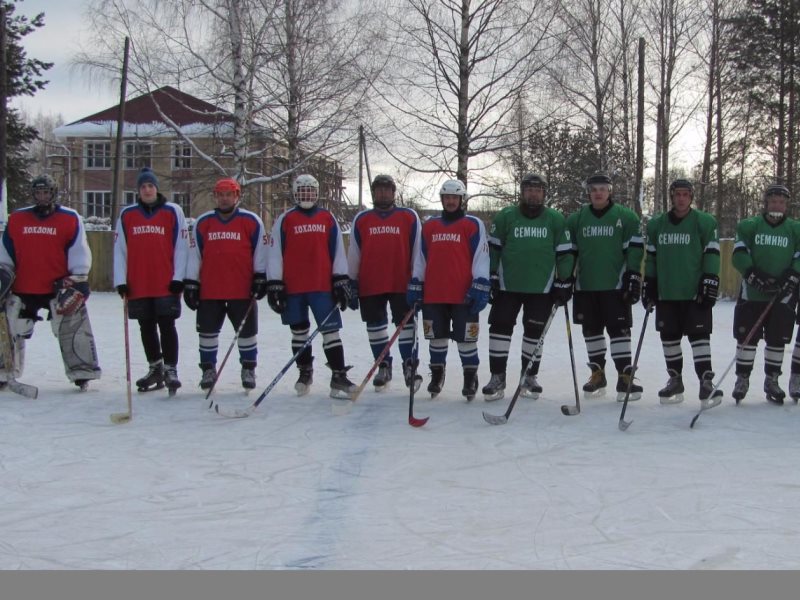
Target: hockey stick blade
[495,419]
[570,411]
[623,424]
[715,402]
[236,413]
[120,418]
[416,422]
[23,389]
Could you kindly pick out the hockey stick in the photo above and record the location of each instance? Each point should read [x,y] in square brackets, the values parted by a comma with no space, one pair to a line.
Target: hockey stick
[230,348]
[503,419]
[119,418]
[412,389]
[383,353]
[571,411]
[623,424]
[711,403]
[239,414]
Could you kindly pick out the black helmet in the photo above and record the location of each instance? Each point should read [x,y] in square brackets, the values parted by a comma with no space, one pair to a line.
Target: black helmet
[598,177]
[384,180]
[681,184]
[44,182]
[533,179]
[777,189]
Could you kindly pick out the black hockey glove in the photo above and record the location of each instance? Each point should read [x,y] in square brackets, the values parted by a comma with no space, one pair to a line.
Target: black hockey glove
[631,286]
[494,279]
[708,290]
[649,292]
[122,290]
[276,295]
[761,280]
[341,290]
[561,292]
[175,286]
[353,305]
[258,289]
[478,295]
[790,279]
[191,293]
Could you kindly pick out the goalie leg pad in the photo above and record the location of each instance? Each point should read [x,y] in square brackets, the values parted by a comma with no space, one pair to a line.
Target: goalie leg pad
[19,325]
[78,349]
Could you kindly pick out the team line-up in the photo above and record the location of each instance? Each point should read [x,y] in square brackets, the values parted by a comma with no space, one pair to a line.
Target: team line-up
[532,259]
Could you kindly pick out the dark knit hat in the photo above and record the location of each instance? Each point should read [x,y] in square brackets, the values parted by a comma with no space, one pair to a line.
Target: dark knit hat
[146,175]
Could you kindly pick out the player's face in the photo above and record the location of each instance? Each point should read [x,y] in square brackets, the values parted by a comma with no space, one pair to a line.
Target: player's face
[148,193]
[306,197]
[533,194]
[451,202]
[226,201]
[681,201]
[42,197]
[599,193]
[383,196]
[777,204]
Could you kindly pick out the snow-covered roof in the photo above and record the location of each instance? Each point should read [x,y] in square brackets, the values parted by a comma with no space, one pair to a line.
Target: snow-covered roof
[105,129]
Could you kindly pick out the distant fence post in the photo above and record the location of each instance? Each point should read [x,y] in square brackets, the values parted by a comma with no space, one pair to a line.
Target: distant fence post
[101,277]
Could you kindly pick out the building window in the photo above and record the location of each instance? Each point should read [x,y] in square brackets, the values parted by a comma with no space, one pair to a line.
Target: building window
[128,197]
[138,155]
[98,155]
[183,200]
[181,155]
[97,204]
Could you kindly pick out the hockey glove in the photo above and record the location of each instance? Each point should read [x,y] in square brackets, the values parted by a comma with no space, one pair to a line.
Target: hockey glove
[122,290]
[478,295]
[650,292]
[353,304]
[258,289]
[494,279]
[175,286]
[414,293]
[708,290]
[191,293]
[276,295]
[341,290]
[631,286]
[761,280]
[790,279]
[561,292]
[71,294]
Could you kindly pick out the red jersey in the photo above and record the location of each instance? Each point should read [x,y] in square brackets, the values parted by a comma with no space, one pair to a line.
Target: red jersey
[224,254]
[150,249]
[306,250]
[44,249]
[383,245]
[453,254]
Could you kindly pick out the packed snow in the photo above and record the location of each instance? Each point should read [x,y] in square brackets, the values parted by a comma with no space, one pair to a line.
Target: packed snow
[300,486]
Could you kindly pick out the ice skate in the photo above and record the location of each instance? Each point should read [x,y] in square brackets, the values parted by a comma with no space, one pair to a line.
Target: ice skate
[154,380]
[622,387]
[740,388]
[208,377]
[529,386]
[248,375]
[383,377]
[596,386]
[304,379]
[794,386]
[495,389]
[83,384]
[706,386]
[410,371]
[672,393]
[470,387]
[437,380]
[774,393]
[171,379]
[341,387]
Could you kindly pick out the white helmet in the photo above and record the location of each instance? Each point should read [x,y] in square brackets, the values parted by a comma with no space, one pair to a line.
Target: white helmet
[305,199]
[454,187]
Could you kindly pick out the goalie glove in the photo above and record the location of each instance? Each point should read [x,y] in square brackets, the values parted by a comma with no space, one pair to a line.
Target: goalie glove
[71,294]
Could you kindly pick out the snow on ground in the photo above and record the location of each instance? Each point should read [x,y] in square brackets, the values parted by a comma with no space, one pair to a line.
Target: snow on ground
[297,487]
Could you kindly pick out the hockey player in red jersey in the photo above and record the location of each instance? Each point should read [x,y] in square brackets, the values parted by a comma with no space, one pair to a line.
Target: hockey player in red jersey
[384,241]
[226,268]
[46,247]
[451,280]
[307,268]
[150,251]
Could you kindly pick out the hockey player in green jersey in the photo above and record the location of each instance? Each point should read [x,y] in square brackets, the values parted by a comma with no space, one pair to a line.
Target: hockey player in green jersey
[609,246]
[682,281]
[531,259]
[767,254]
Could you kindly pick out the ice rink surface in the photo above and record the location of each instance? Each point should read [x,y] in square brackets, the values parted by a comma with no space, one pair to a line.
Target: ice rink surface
[297,486]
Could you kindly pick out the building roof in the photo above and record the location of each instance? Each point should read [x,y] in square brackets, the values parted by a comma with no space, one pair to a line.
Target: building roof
[143,119]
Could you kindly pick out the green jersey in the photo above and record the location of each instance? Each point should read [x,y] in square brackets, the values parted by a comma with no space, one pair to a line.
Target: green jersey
[771,248]
[680,251]
[609,242]
[528,253]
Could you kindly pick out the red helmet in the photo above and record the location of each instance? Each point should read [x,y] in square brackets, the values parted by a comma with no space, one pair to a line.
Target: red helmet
[227,185]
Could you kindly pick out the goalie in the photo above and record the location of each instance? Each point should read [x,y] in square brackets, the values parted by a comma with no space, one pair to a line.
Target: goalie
[45,246]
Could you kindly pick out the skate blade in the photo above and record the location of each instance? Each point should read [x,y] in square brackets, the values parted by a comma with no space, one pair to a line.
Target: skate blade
[712,402]
[150,389]
[632,398]
[775,401]
[301,389]
[676,399]
[469,398]
[595,394]
[493,397]
[530,394]
[380,388]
